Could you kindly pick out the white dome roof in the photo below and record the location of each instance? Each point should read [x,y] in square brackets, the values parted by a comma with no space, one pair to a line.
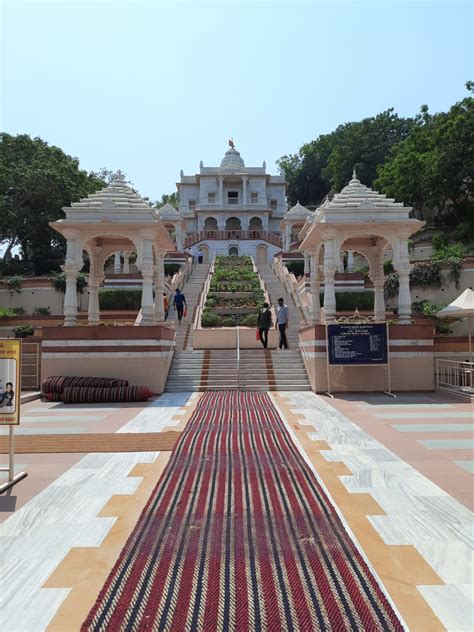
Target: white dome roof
[232,160]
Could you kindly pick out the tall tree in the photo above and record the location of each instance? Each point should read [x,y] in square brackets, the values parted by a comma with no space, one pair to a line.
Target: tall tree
[328,161]
[433,168]
[168,198]
[36,181]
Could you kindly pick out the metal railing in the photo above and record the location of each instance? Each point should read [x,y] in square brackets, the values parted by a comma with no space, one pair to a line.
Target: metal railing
[454,375]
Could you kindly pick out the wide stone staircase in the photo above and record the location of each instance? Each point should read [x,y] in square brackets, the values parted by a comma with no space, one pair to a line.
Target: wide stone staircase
[256,369]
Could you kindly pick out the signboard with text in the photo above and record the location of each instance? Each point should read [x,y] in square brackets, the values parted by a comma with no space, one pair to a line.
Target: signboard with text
[353,343]
[10,387]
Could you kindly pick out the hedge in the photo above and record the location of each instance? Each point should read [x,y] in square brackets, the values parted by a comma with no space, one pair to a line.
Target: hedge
[111,299]
[296,267]
[350,301]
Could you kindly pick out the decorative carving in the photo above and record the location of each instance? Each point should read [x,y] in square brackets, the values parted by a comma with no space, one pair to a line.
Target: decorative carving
[356,318]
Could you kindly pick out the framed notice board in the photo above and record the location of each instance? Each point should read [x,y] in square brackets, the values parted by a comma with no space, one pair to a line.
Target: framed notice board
[10,387]
[357,344]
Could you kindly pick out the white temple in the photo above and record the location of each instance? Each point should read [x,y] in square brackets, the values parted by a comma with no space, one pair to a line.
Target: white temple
[230,210]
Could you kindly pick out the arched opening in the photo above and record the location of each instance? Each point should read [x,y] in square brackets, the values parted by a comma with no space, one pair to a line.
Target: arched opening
[233,223]
[210,223]
[233,251]
[171,228]
[255,224]
[262,254]
[295,231]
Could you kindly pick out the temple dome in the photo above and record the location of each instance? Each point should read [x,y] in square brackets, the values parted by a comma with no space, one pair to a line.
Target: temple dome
[232,160]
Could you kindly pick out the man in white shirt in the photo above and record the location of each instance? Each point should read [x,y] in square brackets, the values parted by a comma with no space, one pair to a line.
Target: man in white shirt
[282,316]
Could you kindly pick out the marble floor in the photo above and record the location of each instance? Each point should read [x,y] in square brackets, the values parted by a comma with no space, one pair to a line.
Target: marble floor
[403,488]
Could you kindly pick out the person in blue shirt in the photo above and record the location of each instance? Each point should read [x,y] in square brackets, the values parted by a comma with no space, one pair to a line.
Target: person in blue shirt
[179,303]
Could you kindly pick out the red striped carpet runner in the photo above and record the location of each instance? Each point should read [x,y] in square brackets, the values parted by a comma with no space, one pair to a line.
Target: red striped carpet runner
[238,535]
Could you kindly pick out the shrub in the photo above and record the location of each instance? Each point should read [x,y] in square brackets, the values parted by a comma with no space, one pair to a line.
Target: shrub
[350,301]
[112,299]
[210,319]
[250,320]
[426,274]
[296,267]
[19,311]
[16,267]
[59,282]
[23,331]
[5,312]
[441,325]
[42,311]
[14,284]
[388,267]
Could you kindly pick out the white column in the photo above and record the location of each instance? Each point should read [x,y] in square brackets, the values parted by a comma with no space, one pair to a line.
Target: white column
[340,266]
[287,239]
[244,189]
[94,309]
[307,269]
[221,190]
[159,289]
[126,263]
[350,261]
[329,272]
[379,299]
[315,301]
[117,263]
[71,269]
[179,238]
[404,295]
[147,270]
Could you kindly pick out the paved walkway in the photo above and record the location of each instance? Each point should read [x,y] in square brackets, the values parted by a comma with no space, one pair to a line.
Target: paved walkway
[404,499]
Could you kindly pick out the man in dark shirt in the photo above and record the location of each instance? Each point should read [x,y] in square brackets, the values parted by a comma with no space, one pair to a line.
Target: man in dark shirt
[179,304]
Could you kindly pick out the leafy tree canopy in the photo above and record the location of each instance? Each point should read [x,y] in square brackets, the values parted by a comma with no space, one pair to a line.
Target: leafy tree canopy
[328,161]
[36,181]
[433,168]
[168,198]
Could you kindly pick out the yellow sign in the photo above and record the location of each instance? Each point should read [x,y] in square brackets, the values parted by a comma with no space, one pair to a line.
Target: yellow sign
[10,383]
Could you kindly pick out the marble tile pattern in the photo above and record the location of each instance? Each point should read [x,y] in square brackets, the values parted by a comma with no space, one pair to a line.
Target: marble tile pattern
[37,537]
[418,512]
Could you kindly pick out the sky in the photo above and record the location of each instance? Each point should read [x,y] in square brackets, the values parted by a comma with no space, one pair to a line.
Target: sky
[155,87]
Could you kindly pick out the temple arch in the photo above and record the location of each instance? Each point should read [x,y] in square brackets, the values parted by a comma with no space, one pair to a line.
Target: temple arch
[233,223]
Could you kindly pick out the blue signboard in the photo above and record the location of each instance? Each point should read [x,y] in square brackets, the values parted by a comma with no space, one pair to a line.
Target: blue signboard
[357,344]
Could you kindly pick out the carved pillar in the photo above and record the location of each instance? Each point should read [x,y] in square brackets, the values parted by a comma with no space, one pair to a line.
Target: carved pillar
[147,270]
[179,238]
[94,309]
[329,286]
[404,295]
[126,263]
[244,189]
[340,261]
[287,238]
[350,261]
[379,300]
[71,269]
[117,263]
[221,190]
[159,288]
[307,268]
[315,301]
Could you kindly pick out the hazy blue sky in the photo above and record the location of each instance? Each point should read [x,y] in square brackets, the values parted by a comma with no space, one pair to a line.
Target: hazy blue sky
[155,87]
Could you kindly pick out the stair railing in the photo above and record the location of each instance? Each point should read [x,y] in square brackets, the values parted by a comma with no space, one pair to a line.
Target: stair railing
[238,357]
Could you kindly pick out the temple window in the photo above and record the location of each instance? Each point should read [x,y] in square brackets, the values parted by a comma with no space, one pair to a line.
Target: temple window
[232,197]
[211,198]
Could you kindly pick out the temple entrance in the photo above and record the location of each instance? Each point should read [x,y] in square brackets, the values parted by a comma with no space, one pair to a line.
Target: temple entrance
[205,254]
[233,251]
[233,223]
[262,254]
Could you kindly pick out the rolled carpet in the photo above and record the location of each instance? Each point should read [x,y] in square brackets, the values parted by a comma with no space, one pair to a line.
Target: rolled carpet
[100,395]
[57,383]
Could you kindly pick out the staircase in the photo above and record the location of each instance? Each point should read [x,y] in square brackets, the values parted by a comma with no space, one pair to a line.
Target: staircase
[186,368]
[270,370]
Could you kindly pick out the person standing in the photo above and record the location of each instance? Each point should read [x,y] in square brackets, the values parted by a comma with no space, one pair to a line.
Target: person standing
[282,317]
[264,323]
[179,303]
[166,305]
[200,256]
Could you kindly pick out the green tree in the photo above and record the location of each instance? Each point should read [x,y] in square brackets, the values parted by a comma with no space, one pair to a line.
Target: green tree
[432,169]
[168,198]
[328,161]
[36,181]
